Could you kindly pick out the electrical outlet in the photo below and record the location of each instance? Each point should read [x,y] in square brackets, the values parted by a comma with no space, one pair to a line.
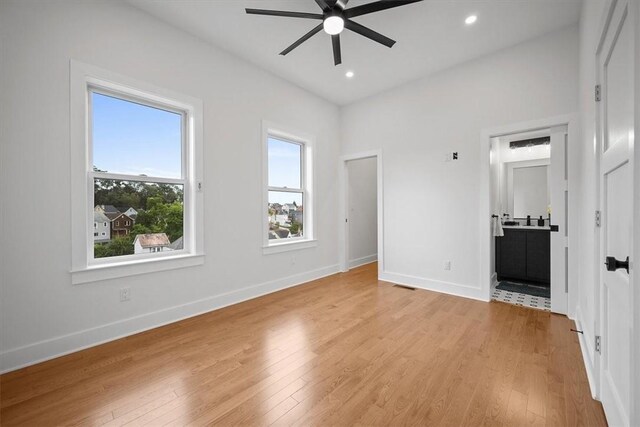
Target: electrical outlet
[455,155]
[447,265]
[125,294]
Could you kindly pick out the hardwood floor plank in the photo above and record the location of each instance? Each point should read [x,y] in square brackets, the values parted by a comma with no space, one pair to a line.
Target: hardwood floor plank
[343,350]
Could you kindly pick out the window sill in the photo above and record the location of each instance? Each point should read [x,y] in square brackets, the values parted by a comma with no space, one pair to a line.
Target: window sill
[277,248]
[97,273]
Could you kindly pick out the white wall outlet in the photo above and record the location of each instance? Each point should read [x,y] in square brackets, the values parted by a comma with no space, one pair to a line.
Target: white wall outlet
[125,294]
[447,265]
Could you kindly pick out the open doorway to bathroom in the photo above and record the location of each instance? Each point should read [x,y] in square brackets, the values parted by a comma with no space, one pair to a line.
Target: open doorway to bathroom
[528,192]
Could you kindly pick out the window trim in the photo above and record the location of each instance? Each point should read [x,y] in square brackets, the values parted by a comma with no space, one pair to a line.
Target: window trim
[84,268]
[307,141]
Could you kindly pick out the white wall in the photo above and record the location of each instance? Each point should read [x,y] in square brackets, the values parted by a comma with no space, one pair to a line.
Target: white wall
[41,313]
[430,205]
[363,211]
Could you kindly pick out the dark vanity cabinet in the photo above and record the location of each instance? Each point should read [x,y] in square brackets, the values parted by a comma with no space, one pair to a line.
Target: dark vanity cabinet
[524,255]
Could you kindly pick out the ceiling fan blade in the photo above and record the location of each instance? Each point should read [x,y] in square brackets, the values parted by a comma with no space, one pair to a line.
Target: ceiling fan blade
[369,33]
[376,7]
[323,5]
[337,55]
[302,39]
[284,13]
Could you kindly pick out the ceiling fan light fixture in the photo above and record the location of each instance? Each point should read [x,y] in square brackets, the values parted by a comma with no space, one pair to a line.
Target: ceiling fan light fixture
[333,25]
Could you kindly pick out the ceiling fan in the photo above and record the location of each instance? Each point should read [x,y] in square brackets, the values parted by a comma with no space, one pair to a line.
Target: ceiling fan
[335,17]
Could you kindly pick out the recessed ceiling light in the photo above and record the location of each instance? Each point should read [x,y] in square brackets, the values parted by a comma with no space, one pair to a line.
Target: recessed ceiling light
[470,19]
[349,74]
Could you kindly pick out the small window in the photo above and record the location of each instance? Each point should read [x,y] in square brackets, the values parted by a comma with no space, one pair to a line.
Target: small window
[287,190]
[104,234]
[96,234]
[105,224]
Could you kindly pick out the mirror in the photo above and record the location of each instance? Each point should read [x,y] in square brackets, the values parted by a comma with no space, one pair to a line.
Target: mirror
[530,191]
[520,178]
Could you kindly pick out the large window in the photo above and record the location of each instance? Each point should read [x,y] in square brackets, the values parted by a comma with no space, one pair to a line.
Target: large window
[288,188]
[138,158]
[139,151]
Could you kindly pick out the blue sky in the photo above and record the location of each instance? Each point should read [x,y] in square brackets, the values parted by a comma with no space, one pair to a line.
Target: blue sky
[284,170]
[136,139]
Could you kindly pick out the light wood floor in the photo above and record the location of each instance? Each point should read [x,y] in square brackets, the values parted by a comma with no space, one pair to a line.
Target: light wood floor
[343,350]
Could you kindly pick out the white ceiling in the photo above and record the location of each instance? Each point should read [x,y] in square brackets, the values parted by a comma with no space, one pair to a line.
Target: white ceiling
[430,36]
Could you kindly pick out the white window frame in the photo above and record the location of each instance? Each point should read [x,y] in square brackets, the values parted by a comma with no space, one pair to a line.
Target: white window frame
[307,142]
[85,78]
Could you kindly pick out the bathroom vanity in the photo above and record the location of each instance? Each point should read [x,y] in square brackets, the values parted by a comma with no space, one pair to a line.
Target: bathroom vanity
[524,254]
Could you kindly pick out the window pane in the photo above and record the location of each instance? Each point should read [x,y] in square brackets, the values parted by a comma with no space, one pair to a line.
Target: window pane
[285,212]
[136,217]
[285,159]
[135,139]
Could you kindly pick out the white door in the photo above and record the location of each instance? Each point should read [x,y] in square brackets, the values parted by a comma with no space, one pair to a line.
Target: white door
[615,62]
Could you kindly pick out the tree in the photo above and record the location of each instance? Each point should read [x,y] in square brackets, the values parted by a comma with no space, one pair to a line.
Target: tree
[116,247]
[134,194]
[161,218]
[295,227]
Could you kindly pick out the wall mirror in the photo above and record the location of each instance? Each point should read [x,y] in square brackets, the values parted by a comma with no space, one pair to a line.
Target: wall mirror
[528,189]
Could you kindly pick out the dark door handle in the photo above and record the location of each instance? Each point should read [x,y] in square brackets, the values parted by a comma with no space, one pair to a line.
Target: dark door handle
[613,264]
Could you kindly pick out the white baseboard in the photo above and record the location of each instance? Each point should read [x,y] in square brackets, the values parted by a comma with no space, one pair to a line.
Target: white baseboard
[586,348]
[31,354]
[437,286]
[362,261]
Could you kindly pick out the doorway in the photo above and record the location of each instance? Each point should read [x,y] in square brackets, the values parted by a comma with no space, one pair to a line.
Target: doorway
[537,251]
[361,211]
[521,204]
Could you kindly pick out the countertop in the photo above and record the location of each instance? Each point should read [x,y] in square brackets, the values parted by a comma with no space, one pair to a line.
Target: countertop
[527,227]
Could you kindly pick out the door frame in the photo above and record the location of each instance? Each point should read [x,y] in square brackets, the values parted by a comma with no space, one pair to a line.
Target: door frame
[634,385]
[571,121]
[343,180]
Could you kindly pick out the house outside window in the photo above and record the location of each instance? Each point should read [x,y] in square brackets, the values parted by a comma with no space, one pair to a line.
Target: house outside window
[139,147]
[288,189]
